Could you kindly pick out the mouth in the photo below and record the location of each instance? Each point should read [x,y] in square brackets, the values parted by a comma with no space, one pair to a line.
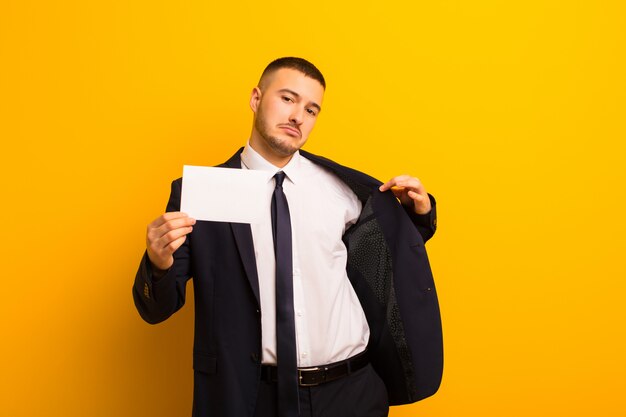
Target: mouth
[292,131]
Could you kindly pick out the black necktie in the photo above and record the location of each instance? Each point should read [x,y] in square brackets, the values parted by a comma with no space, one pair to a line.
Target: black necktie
[288,404]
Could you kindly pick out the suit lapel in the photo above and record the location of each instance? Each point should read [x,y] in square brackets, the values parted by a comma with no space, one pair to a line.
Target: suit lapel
[361,184]
[243,238]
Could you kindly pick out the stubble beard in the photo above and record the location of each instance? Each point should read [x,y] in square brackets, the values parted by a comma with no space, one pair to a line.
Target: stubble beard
[282,147]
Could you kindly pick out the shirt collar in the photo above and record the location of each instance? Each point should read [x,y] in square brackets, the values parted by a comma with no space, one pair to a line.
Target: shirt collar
[253,160]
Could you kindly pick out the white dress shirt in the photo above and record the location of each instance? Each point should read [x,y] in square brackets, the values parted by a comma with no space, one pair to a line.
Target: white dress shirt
[330,323]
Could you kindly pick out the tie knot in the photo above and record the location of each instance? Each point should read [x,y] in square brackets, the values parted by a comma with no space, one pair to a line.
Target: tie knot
[279,177]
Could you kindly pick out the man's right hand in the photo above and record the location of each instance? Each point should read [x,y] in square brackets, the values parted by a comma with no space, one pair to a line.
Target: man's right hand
[166,234]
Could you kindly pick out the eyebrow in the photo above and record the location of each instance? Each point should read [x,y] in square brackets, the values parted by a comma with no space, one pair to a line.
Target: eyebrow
[286,90]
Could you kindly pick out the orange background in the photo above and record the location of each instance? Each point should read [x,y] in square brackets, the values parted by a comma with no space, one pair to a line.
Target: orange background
[512,114]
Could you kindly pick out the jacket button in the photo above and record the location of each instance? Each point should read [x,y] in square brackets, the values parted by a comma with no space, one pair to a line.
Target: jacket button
[254,357]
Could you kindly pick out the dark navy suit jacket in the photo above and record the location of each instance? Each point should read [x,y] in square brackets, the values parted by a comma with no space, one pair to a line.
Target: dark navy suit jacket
[387,266]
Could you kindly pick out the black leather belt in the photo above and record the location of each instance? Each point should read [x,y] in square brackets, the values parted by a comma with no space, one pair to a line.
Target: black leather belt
[315,375]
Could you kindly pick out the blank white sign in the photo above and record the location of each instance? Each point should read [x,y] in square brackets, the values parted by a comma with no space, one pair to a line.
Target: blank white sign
[224,194]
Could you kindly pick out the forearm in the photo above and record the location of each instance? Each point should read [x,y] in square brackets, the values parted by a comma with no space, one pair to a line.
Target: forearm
[157,299]
[160,293]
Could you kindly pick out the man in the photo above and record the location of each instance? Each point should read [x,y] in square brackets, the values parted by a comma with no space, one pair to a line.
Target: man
[326,308]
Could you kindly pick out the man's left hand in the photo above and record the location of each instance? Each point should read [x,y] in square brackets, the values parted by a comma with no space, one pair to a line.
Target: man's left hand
[410,191]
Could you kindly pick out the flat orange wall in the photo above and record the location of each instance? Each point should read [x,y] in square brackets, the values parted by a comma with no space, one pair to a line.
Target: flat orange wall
[512,114]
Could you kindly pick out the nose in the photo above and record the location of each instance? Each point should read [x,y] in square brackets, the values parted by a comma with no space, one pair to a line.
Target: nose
[297,115]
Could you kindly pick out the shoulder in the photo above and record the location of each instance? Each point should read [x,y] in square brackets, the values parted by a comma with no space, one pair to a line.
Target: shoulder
[349,175]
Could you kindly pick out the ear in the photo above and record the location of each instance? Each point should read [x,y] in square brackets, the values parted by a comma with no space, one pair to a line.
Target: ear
[255,99]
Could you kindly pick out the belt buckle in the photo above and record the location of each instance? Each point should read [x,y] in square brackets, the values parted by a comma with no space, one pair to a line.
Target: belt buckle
[303,384]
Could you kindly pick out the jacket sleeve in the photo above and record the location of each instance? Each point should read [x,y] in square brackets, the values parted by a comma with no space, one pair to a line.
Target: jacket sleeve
[156,300]
[426,224]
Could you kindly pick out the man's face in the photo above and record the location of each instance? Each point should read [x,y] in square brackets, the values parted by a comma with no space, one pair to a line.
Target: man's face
[285,112]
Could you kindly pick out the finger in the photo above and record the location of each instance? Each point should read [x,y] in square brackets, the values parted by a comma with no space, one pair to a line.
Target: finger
[170,215]
[174,224]
[392,182]
[416,196]
[174,245]
[421,202]
[154,234]
[171,236]
[409,182]
[401,194]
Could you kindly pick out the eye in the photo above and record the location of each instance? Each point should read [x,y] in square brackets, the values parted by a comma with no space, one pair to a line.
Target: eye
[287,99]
[311,112]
